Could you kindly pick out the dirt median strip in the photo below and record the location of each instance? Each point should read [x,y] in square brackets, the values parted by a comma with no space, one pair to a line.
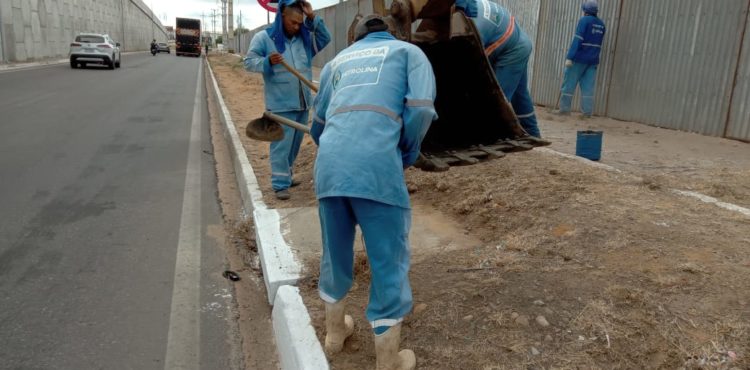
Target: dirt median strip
[292,339]
[624,272]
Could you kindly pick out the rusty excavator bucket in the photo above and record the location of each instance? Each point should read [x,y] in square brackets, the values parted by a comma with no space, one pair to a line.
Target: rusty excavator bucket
[475,120]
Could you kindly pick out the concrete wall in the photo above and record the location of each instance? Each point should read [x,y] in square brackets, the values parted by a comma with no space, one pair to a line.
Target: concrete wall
[43,29]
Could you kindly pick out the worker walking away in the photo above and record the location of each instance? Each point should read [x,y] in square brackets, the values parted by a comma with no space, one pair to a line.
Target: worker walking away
[582,61]
[375,105]
[295,36]
[508,49]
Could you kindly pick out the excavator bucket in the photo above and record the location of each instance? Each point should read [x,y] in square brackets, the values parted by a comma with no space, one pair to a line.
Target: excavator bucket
[475,120]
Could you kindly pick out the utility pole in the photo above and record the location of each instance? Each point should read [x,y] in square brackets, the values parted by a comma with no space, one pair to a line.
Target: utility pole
[230,20]
[122,20]
[2,40]
[213,26]
[153,23]
[205,27]
[239,34]
[224,37]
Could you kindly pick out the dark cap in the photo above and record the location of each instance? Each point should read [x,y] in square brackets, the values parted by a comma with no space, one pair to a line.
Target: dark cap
[369,24]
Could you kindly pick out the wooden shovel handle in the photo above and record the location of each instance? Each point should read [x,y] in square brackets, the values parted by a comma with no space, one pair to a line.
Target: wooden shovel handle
[286,122]
[300,76]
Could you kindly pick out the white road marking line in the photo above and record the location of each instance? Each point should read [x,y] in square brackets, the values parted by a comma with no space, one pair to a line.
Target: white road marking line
[714,201]
[702,197]
[183,344]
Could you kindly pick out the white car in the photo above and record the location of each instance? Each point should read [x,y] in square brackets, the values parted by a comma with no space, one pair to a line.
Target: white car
[94,48]
[162,47]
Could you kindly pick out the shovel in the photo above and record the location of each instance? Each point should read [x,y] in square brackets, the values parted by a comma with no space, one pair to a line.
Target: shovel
[268,127]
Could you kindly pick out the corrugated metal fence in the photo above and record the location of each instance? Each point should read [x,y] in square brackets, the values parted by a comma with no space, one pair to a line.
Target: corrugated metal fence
[675,62]
[558,20]
[739,114]
[681,64]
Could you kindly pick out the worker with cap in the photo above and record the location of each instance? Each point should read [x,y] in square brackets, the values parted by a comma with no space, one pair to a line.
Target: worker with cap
[295,36]
[374,107]
[508,49]
[582,60]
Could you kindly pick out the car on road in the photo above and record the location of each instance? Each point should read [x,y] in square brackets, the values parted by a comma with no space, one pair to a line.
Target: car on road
[162,47]
[95,48]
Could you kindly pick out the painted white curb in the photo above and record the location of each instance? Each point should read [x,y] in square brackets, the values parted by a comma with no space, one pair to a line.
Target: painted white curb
[296,341]
[279,266]
[297,345]
[579,159]
[252,198]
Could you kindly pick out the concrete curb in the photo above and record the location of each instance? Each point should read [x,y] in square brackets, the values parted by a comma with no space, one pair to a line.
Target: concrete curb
[277,260]
[23,66]
[296,341]
[295,335]
[32,65]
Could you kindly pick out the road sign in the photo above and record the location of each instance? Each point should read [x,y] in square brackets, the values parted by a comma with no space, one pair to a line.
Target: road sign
[270,5]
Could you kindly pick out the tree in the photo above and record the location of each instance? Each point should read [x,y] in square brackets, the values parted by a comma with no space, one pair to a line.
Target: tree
[219,40]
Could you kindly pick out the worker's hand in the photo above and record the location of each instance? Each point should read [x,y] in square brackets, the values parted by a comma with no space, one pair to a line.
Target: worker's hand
[307,9]
[568,63]
[275,58]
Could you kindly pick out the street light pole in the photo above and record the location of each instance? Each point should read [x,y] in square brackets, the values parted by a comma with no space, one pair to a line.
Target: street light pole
[122,19]
[153,24]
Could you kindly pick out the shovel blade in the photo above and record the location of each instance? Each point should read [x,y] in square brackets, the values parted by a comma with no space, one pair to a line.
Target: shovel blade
[264,130]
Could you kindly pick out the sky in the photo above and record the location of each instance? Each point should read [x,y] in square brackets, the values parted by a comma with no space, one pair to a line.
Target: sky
[253,15]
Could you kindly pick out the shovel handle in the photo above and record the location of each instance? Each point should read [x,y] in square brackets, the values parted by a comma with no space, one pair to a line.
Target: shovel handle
[285,121]
[302,78]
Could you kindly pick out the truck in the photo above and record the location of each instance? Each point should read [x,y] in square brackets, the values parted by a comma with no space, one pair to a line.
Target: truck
[188,37]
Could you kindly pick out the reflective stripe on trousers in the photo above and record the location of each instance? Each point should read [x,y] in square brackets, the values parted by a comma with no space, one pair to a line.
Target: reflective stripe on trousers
[284,152]
[385,229]
[514,81]
[579,74]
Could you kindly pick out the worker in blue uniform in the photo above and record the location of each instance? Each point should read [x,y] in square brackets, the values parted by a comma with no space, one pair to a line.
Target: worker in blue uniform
[508,49]
[295,36]
[374,107]
[582,60]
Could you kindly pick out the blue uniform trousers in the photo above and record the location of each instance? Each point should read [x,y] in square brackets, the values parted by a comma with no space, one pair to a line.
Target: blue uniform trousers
[585,75]
[514,81]
[386,233]
[284,151]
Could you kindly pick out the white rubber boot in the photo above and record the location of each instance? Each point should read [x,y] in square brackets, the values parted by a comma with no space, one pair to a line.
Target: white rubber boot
[387,354]
[338,327]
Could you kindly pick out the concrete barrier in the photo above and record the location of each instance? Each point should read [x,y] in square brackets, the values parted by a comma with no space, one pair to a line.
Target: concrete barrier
[34,30]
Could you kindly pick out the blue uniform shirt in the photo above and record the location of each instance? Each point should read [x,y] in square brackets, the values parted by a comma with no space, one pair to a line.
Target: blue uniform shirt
[283,91]
[373,109]
[495,22]
[587,43]
[492,21]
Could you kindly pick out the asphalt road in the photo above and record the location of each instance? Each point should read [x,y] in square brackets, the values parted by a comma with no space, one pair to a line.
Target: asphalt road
[108,215]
